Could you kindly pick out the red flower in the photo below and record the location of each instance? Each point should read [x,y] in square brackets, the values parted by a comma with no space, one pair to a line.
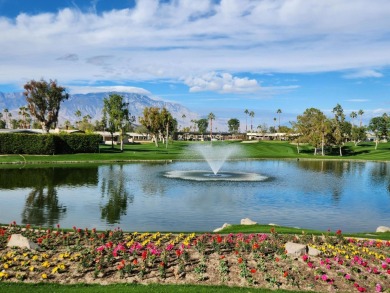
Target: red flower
[239,260]
[277,259]
[135,262]
[178,252]
[285,274]
[144,254]
[338,232]
[222,257]
[253,271]
[219,239]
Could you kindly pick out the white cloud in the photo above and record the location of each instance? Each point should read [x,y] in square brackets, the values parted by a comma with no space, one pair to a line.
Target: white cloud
[102,89]
[222,83]
[364,73]
[187,38]
[358,100]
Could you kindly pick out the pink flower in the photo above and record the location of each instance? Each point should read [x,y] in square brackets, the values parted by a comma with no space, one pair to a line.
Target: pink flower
[324,277]
[378,288]
[310,265]
[100,248]
[384,265]
[347,276]
[305,257]
[388,260]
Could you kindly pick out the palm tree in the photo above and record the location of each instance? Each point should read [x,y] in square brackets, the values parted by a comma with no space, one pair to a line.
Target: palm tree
[353,115]
[183,117]
[251,114]
[246,120]
[279,112]
[6,116]
[275,124]
[78,115]
[361,112]
[211,118]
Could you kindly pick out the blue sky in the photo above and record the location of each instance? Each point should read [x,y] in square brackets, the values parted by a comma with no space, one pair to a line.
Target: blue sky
[210,56]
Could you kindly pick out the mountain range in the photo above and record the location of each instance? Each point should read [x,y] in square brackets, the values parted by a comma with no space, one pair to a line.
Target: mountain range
[92,104]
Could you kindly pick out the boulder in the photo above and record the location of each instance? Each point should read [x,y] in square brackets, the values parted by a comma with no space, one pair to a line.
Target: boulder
[313,251]
[295,249]
[383,229]
[247,221]
[17,240]
[221,228]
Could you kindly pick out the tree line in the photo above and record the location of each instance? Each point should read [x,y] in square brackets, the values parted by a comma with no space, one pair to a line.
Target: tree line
[44,100]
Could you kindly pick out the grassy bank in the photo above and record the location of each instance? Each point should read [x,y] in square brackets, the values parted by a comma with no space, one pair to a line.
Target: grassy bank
[128,288]
[181,151]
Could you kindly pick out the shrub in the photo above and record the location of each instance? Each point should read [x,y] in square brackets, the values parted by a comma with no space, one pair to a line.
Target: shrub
[48,144]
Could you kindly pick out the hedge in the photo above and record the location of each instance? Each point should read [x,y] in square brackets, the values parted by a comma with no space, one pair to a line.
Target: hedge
[48,144]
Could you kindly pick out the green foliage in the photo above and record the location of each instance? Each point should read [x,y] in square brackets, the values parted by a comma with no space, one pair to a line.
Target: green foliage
[48,144]
[202,125]
[234,125]
[44,99]
[77,143]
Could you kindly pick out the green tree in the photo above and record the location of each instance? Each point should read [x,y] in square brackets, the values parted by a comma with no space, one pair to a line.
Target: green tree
[233,125]
[78,115]
[358,134]
[86,125]
[380,126]
[151,120]
[314,128]
[169,123]
[44,100]
[361,112]
[6,116]
[211,117]
[2,122]
[279,111]
[246,120]
[116,116]
[202,125]
[157,122]
[339,131]
[24,116]
[252,114]
[353,116]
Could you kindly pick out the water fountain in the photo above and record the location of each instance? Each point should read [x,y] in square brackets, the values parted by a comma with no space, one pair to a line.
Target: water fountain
[215,156]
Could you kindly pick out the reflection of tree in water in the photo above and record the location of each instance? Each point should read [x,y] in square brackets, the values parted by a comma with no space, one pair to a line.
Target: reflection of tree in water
[381,173]
[336,168]
[42,207]
[113,186]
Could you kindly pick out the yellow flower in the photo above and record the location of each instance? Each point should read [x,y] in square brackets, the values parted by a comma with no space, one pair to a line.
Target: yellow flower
[61,266]
[3,275]
[31,268]
[44,276]
[35,257]
[5,266]
[46,264]
[54,270]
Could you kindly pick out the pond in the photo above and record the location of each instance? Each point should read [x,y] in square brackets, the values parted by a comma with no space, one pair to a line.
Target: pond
[351,196]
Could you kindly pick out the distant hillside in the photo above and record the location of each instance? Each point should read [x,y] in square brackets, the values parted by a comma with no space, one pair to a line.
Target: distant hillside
[92,104]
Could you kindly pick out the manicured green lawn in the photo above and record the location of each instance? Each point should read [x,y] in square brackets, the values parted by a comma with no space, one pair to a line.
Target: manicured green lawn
[128,288]
[178,150]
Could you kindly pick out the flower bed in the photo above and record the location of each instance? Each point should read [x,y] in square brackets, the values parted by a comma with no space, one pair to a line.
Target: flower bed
[258,260]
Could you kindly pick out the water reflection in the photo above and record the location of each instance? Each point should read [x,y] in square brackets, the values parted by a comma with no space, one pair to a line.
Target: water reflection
[114,191]
[42,207]
[351,196]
